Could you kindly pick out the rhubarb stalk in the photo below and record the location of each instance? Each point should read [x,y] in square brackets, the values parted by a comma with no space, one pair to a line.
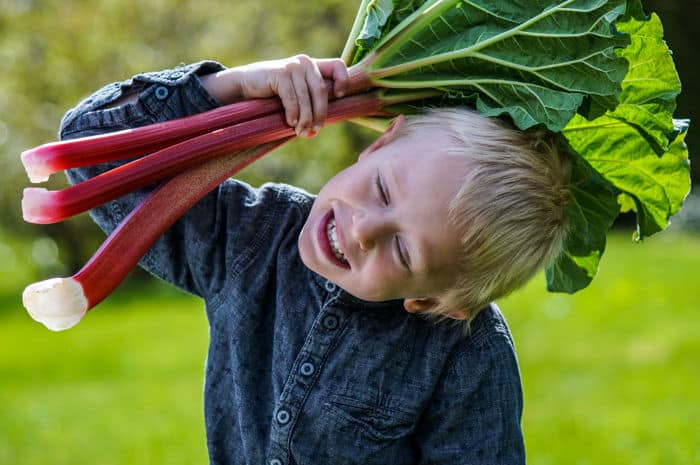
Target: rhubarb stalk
[42,206]
[60,303]
[42,161]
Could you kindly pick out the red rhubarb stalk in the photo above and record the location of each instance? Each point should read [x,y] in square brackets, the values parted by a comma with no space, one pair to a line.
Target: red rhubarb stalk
[60,303]
[42,206]
[42,161]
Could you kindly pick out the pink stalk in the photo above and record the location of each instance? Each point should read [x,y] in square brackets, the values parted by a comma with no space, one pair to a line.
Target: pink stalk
[42,161]
[43,206]
[60,303]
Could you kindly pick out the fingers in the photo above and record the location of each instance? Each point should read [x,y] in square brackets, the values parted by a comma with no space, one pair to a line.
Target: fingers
[285,91]
[303,86]
[319,97]
[305,109]
[312,96]
[335,70]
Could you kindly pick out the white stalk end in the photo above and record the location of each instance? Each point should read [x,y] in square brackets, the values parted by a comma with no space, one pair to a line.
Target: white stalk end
[57,303]
[37,171]
[35,204]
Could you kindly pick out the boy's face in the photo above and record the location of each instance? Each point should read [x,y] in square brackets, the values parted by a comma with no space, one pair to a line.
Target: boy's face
[379,229]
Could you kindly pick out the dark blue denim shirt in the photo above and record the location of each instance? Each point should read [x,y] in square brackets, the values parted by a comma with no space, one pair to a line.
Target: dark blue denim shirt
[299,371]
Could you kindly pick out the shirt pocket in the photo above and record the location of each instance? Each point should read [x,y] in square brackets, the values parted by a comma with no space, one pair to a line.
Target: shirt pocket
[377,423]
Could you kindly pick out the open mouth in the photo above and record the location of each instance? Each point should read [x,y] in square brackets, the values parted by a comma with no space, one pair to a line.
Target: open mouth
[328,238]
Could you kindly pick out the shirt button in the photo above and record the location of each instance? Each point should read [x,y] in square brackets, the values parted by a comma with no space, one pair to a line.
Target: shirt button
[330,322]
[330,287]
[162,92]
[307,369]
[275,462]
[283,417]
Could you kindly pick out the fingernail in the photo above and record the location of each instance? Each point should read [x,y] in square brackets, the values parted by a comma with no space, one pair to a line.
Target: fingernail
[339,94]
[295,121]
[304,132]
[317,128]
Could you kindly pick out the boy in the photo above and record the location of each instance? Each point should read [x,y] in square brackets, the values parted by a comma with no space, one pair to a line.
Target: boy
[314,354]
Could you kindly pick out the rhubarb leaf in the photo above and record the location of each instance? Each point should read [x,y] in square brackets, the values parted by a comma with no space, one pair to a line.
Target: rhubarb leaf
[534,61]
[591,212]
[378,12]
[639,147]
[375,18]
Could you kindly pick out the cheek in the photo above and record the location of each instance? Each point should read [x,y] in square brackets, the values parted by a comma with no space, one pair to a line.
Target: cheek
[303,244]
[377,282]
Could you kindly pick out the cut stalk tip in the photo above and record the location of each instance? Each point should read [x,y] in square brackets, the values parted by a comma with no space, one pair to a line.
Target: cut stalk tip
[36,206]
[36,169]
[57,303]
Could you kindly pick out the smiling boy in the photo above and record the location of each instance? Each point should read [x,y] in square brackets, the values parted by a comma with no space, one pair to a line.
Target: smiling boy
[315,356]
[386,218]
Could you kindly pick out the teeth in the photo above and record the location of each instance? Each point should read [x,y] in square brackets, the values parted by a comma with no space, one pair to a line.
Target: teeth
[333,240]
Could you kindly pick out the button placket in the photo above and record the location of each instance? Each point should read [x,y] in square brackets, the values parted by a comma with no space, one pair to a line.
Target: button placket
[309,362]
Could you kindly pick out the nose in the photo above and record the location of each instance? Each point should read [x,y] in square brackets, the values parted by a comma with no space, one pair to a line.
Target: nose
[368,228]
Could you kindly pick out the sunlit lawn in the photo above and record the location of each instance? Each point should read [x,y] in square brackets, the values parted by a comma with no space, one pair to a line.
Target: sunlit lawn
[611,375]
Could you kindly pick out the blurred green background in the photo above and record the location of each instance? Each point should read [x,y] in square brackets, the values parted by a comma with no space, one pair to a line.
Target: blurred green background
[611,375]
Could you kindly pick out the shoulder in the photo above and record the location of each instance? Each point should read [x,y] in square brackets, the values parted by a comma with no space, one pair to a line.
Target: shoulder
[280,204]
[292,197]
[487,346]
[162,95]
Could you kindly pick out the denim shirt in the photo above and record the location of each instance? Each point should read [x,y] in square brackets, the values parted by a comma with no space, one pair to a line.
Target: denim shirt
[299,371]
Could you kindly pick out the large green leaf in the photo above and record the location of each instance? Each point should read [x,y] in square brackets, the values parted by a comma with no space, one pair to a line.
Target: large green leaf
[591,212]
[625,145]
[534,61]
[651,86]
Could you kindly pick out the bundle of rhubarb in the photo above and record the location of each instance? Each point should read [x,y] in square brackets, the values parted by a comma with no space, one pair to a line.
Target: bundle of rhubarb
[596,71]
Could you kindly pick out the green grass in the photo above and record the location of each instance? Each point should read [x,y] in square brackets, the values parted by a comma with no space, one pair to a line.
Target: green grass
[123,387]
[611,375]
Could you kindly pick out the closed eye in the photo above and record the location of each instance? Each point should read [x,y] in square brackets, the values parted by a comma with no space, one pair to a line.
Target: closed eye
[383,193]
[402,253]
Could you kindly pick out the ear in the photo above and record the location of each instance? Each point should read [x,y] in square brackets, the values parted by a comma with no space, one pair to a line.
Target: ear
[418,305]
[388,135]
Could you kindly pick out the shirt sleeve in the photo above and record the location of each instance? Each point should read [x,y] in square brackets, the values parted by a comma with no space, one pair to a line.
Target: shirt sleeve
[475,414]
[224,230]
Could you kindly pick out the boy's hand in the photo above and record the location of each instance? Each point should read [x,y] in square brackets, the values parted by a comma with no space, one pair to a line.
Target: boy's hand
[302,83]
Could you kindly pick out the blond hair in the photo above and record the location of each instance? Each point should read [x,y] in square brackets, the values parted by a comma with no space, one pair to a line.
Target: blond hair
[510,209]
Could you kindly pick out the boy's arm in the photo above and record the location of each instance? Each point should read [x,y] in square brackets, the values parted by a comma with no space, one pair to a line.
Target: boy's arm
[196,253]
[475,414]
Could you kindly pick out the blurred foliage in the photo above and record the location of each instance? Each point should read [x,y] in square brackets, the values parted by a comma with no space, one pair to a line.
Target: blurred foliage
[54,53]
